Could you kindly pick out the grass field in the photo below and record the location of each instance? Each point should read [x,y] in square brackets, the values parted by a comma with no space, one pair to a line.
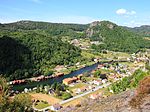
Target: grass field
[41,105]
[48,98]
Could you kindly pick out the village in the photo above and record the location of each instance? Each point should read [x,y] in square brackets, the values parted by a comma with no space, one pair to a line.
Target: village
[71,91]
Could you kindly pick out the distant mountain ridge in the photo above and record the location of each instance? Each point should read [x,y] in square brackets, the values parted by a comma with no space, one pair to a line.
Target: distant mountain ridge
[143,30]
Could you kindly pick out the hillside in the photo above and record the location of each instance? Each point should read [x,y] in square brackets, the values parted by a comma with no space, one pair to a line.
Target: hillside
[134,100]
[143,30]
[30,48]
[115,38]
[52,29]
[116,103]
[27,54]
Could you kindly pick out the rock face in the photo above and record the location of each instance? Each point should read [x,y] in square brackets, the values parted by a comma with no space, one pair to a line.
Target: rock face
[116,103]
[90,31]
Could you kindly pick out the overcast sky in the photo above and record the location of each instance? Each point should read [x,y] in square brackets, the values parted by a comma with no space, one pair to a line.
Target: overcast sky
[123,12]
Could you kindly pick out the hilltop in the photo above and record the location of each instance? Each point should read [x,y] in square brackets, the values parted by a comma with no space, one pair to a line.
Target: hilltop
[143,30]
[115,38]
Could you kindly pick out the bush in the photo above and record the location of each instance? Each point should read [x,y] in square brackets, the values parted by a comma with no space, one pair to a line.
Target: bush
[128,82]
[142,91]
[66,96]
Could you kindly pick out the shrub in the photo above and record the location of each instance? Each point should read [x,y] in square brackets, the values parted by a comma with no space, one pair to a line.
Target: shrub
[142,91]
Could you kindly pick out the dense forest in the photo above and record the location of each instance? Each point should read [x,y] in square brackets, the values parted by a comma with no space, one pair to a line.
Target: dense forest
[116,38]
[45,28]
[30,48]
[24,54]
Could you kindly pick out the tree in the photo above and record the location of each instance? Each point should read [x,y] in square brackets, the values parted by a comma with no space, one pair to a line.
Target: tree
[24,101]
[21,102]
[97,73]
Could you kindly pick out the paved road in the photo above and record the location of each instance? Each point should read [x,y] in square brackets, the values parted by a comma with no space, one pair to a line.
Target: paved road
[75,97]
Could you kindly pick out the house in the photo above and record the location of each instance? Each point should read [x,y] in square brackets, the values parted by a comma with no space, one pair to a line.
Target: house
[75,42]
[97,82]
[82,89]
[68,81]
[56,107]
[94,96]
[80,76]
[96,60]
[59,74]
[26,90]
[100,66]
[104,81]
[40,78]
[18,82]
[91,87]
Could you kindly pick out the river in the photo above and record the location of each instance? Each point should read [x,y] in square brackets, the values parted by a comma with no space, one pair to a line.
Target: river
[59,79]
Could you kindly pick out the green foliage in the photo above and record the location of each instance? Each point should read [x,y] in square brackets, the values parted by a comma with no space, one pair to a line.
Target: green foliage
[21,102]
[66,95]
[147,66]
[49,73]
[52,29]
[142,30]
[27,54]
[128,82]
[24,101]
[97,73]
[30,48]
[117,38]
[58,86]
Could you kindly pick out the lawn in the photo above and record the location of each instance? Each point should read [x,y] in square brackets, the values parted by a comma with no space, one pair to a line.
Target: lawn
[78,85]
[41,105]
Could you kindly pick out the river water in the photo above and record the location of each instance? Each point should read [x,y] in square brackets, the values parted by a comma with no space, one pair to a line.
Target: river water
[86,69]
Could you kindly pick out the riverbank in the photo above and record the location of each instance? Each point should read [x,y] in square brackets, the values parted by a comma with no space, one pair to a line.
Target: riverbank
[31,85]
[50,81]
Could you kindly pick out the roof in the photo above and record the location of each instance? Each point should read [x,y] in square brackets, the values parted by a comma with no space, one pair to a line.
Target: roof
[57,106]
[70,79]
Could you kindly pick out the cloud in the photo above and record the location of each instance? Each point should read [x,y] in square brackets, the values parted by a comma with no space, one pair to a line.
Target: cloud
[121,11]
[125,12]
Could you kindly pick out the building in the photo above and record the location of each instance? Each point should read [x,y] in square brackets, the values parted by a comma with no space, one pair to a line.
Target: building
[59,74]
[82,89]
[94,96]
[56,107]
[97,82]
[104,81]
[68,81]
[15,82]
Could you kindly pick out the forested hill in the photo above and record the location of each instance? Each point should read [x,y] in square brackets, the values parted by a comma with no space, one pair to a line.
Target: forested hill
[115,38]
[31,48]
[27,54]
[143,30]
[52,29]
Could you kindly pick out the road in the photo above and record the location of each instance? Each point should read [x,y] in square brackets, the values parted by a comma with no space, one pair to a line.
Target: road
[75,97]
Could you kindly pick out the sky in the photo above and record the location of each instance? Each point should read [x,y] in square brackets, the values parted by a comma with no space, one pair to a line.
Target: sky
[122,12]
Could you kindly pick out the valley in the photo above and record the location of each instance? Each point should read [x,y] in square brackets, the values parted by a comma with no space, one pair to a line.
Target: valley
[61,65]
